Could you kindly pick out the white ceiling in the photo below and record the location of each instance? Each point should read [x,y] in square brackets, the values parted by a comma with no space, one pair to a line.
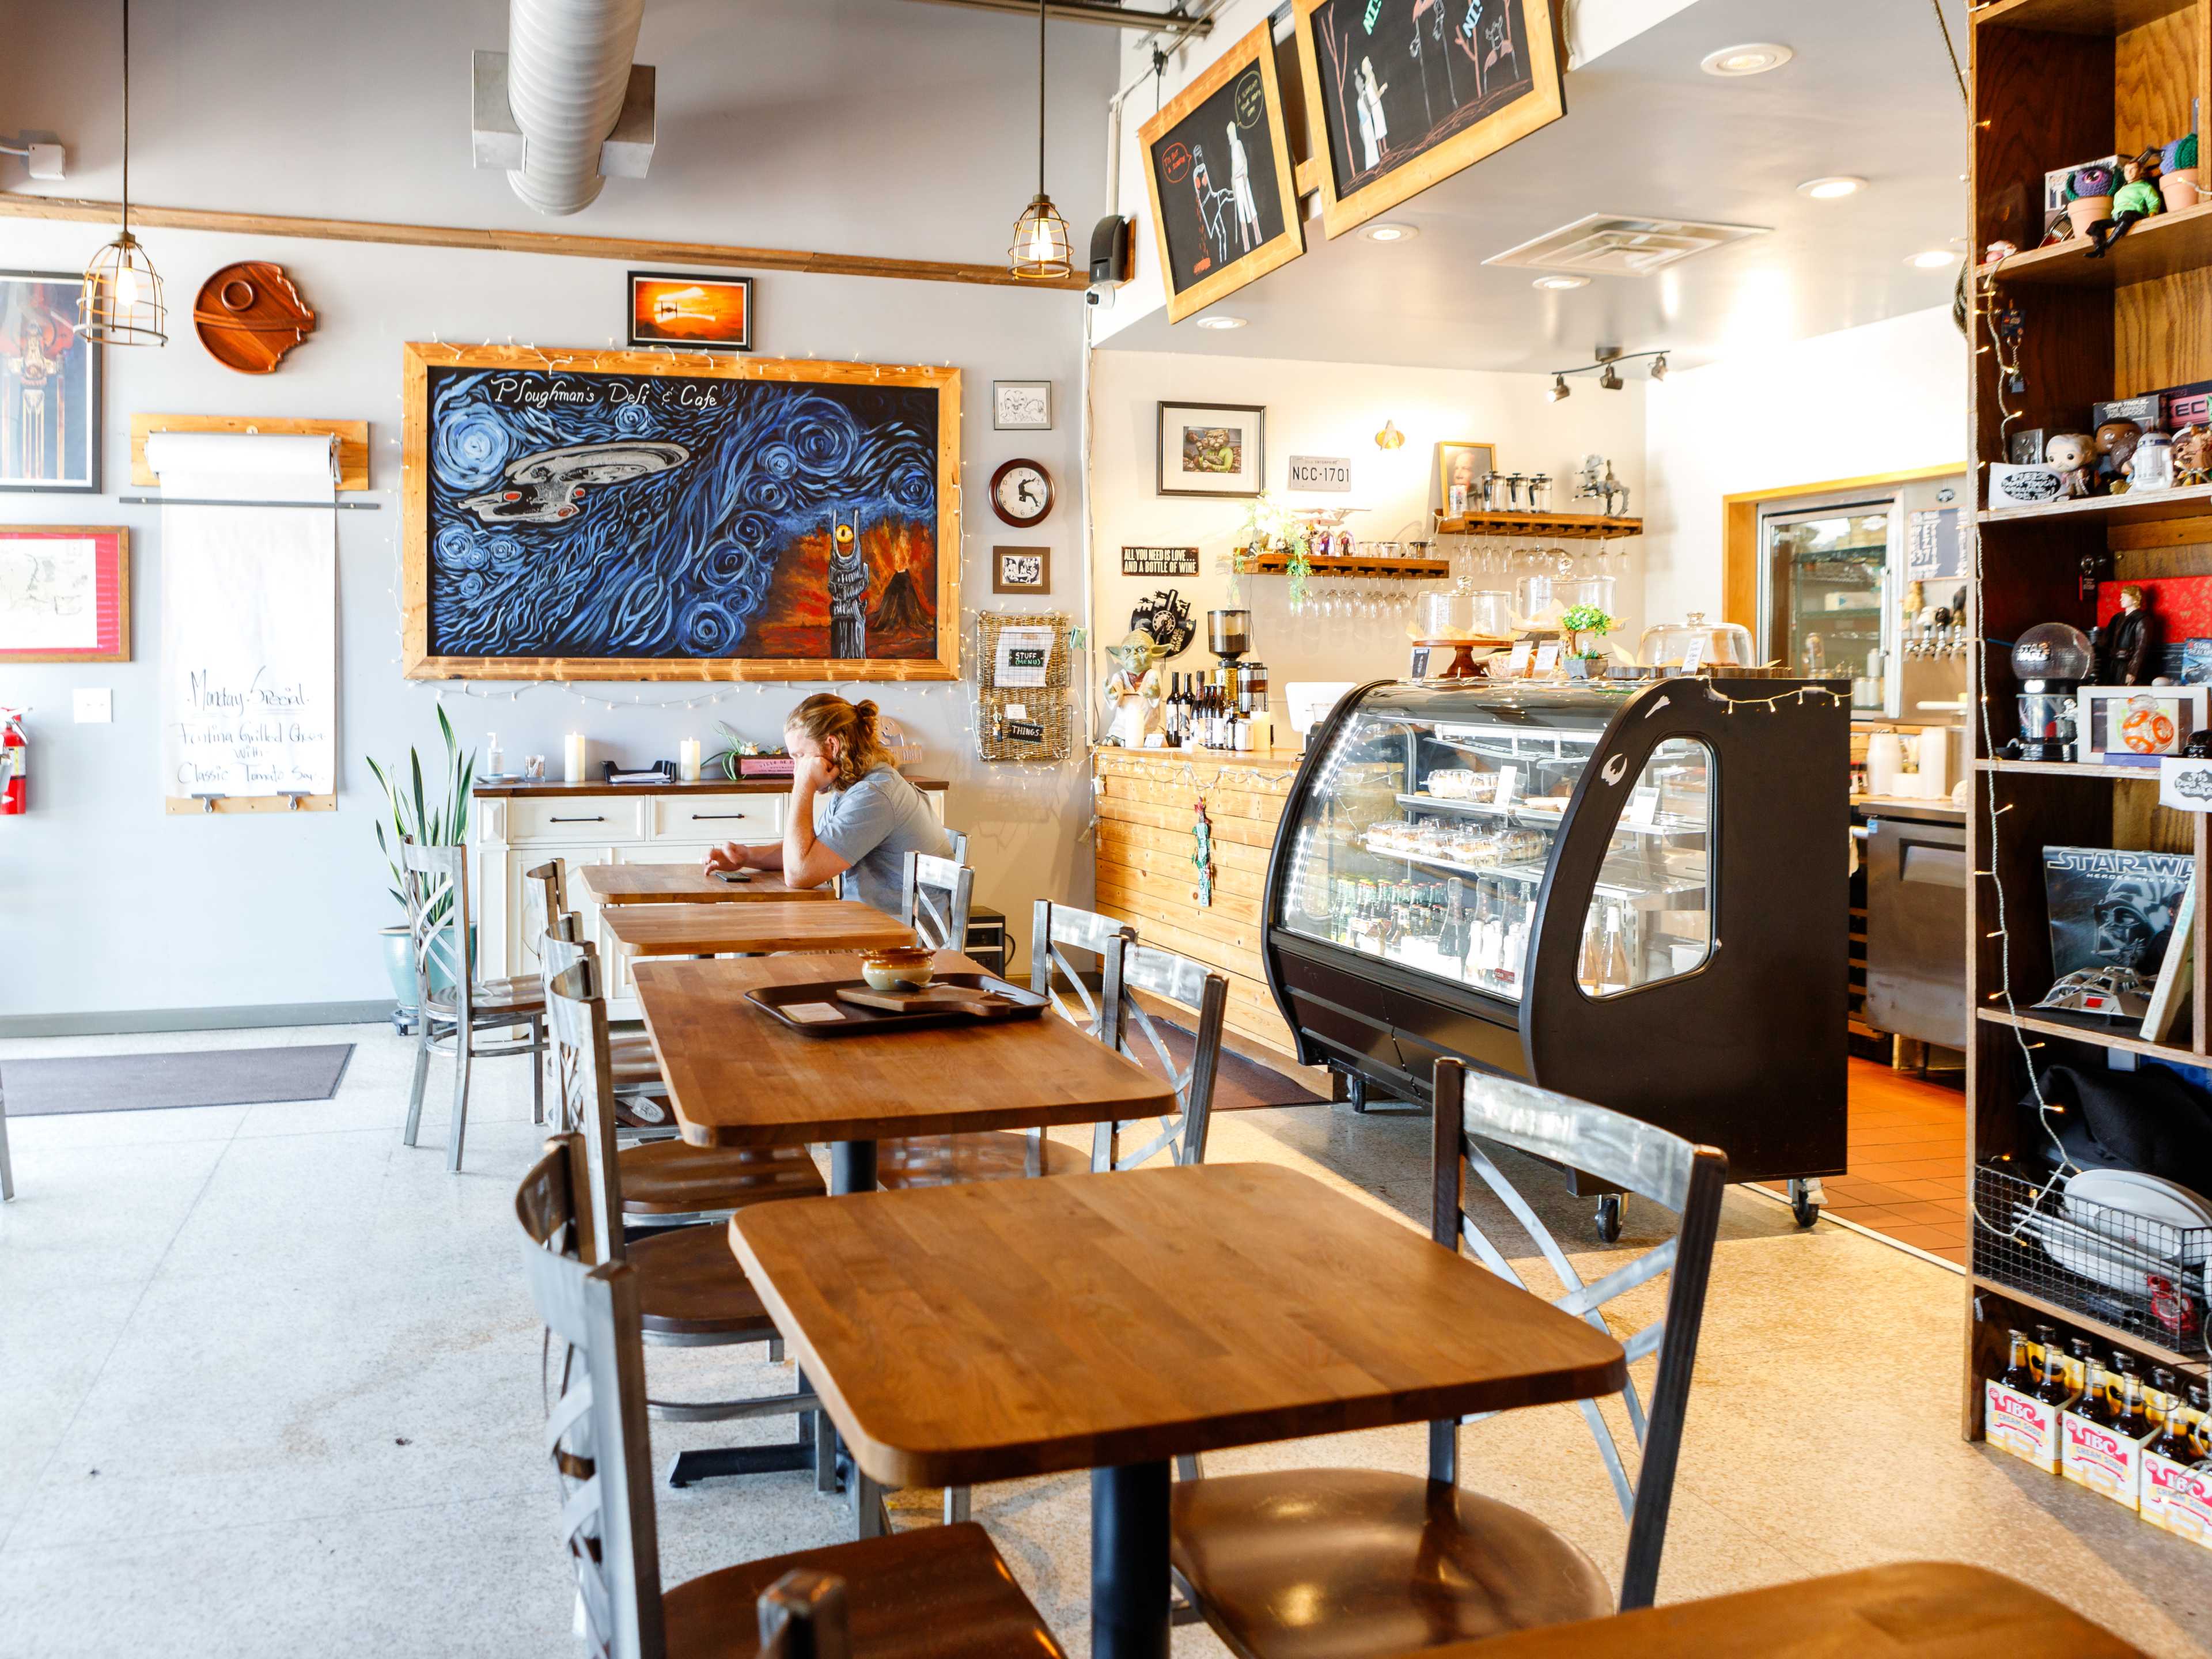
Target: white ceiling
[1869,93]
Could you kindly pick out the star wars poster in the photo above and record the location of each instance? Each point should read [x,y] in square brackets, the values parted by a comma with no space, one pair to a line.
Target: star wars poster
[1216,161]
[2113,916]
[616,515]
[49,385]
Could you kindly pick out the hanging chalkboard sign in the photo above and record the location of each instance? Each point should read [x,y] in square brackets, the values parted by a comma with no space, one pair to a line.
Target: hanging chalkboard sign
[1406,92]
[1218,163]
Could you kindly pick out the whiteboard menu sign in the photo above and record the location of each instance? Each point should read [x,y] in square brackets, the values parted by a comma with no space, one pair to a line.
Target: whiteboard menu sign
[249,615]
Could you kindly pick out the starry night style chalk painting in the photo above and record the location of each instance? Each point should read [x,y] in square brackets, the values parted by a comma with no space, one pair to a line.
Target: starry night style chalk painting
[616,515]
[1411,91]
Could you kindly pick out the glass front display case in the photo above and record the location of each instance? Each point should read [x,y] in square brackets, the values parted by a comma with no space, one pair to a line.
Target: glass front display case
[1538,877]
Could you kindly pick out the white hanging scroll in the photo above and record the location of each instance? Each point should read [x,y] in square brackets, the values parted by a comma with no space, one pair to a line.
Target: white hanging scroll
[249,614]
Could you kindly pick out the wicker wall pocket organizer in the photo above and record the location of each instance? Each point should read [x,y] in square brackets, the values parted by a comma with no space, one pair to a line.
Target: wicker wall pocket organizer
[1022,709]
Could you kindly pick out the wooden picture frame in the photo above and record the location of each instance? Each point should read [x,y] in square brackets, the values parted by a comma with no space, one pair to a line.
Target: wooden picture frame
[704,325]
[1176,418]
[1448,452]
[68,603]
[503,512]
[1245,78]
[1009,564]
[1353,195]
[51,385]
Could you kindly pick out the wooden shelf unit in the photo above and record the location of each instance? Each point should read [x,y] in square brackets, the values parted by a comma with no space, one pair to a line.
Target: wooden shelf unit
[1332,565]
[2056,83]
[1554,526]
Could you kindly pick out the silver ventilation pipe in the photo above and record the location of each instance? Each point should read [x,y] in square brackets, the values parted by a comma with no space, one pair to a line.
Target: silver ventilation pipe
[568,71]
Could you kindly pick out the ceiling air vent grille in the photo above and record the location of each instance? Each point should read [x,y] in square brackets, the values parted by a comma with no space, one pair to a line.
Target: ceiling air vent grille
[1613,245]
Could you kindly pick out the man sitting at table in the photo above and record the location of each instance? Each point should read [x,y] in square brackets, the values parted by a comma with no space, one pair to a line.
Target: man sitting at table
[852,815]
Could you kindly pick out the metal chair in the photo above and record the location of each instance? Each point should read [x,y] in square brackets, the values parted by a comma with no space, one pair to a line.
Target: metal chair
[1395,1563]
[692,1293]
[1057,929]
[1178,979]
[935,901]
[665,1181]
[932,1594]
[7,1169]
[440,934]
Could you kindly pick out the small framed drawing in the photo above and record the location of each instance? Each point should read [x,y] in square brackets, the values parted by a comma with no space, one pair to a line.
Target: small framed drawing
[1021,570]
[1460,469]
[1021,405]
[65,594]
[693,313]
[1212,449]
[49,377]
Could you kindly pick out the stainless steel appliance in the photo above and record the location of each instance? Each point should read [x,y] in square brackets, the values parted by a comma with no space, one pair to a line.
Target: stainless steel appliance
[1916,877]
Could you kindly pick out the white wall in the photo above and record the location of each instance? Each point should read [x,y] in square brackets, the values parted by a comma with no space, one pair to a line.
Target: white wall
[1888,397]
[1328,409]
[107,905]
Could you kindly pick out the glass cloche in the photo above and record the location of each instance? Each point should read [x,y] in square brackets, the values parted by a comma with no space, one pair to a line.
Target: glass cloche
[1715,645]
[2052,651]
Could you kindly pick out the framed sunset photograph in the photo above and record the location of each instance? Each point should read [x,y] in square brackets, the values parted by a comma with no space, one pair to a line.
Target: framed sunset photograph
[694,314]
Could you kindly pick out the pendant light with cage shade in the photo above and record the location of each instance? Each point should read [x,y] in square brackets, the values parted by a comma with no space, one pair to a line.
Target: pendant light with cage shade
[1040,251]
[121,304]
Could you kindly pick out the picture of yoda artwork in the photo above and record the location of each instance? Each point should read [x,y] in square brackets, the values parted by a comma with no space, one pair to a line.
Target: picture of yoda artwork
[747,520]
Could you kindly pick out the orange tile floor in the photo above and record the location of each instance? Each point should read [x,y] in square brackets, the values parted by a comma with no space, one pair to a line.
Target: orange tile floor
[1908,1161]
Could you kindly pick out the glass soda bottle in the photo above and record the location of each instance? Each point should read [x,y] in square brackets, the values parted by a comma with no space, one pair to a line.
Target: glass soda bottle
[2019,1374]
[2052,1389]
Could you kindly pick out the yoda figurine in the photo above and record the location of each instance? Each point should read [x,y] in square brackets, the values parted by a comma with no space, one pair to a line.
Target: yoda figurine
[1133,689]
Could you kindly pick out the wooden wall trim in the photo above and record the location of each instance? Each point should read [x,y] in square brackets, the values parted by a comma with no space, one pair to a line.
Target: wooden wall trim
[1740,531]
[639,250]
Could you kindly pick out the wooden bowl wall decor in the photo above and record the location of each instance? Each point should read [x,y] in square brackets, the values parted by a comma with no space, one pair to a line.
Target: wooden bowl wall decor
[248,315]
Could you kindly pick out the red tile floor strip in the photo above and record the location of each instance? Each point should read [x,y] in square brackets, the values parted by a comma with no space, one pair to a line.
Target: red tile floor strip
[1907,1159]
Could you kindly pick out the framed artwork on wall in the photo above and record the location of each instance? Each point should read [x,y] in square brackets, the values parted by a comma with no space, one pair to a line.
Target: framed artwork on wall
[65,594]
[1021,405]
[1021,570]
[1217,166]
[49,385]
[1212,449]
[1460,469]
[691,313]
[640,516]
[1402,95]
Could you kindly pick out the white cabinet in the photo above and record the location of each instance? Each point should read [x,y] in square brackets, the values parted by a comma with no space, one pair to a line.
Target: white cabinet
[588,825]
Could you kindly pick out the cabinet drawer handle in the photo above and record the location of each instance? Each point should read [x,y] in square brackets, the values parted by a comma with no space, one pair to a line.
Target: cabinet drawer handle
[595,818]
[711,817]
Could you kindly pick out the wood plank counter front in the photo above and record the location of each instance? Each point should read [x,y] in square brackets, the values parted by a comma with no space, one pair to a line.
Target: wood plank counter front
[1146,801]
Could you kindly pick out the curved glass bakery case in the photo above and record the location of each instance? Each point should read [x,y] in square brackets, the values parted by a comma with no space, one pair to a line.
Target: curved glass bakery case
[1634,893]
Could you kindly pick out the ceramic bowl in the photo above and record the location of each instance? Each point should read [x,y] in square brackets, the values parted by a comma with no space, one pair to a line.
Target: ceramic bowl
[902,967]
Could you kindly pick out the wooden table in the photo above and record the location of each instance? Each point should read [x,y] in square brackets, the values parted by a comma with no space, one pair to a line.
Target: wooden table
[960,1334]
[684,883]
[706,930]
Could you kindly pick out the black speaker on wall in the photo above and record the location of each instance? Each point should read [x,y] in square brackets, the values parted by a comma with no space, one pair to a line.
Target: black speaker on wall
[1109,251]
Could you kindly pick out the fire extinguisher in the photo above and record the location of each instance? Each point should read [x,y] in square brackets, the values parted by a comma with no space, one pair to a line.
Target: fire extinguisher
[15,763]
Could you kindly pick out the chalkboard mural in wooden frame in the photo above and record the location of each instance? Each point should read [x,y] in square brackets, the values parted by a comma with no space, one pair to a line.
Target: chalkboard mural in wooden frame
[1218,163]
[1403,92]
[676,516]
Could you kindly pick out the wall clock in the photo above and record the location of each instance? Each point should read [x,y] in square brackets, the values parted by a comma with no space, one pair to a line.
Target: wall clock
[1021,492]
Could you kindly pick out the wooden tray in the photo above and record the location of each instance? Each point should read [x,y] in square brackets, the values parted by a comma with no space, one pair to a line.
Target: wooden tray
[777,1000]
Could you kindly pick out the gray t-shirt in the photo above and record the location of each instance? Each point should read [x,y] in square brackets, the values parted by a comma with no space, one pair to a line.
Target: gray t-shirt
[872,824]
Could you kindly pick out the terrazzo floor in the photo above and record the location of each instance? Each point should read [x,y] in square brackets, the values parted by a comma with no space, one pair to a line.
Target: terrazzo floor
[269,1385]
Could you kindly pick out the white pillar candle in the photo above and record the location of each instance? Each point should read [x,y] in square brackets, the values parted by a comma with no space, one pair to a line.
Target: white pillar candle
[572,749]
[687,760]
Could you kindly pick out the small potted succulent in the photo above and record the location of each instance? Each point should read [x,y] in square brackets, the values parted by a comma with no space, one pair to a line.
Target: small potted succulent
[2089,196]
[1585,627]
[2177,174]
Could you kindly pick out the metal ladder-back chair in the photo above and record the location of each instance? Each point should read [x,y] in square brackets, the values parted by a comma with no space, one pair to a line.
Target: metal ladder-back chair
[1178,979]
[692,1292]
[930,1593]
[935,902]
[544,897]
[441,929]
[1057,929]
[641,1107]
[1405,1563]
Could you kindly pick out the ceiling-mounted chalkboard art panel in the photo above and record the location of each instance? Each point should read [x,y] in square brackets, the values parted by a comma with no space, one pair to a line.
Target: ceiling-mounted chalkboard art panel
[1218,162]
[634,515]
[1407,92]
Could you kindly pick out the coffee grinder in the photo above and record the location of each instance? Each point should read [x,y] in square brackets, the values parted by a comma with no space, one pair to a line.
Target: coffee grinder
[1229,636]
[2050,661]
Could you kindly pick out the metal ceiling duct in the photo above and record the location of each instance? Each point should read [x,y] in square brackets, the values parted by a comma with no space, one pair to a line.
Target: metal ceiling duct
[567,69]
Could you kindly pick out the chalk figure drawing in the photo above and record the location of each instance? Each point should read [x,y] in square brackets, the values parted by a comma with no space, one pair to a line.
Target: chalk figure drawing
[1463,61]
[49,595]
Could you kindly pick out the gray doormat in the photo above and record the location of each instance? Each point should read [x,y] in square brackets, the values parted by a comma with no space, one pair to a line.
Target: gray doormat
[192,1077]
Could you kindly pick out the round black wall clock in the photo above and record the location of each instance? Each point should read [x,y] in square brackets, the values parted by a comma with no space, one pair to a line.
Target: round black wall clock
[1021,492]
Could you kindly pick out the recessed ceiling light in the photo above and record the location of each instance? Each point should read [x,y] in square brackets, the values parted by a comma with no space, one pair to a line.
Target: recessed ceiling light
[1935,258]
[1828,190]
[1221,322]
[1390,233]
[1754,57]
[1560,282]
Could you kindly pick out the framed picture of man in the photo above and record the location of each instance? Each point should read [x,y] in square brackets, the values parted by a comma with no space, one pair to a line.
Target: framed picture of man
[49,385]
[1460,469]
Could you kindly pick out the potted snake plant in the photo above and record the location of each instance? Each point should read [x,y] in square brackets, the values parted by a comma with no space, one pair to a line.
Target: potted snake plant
[416,818]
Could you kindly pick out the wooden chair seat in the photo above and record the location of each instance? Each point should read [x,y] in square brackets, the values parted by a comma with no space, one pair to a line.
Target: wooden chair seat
[673,1177]
[518,994]
[689,1284]
[1356,1564]
[993,1155]
[630,1057]
[934,1593]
